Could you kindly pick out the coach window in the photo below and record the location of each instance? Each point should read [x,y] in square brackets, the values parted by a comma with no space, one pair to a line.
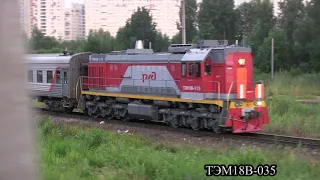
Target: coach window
[198,69]
[191,69]
[39,77]
[58,76]
[184,69]
[49,76]
[30,76]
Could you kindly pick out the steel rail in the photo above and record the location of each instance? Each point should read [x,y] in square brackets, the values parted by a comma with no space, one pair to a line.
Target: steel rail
[284,140]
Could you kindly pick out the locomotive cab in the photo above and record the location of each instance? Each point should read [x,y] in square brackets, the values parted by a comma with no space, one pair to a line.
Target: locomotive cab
[215,71]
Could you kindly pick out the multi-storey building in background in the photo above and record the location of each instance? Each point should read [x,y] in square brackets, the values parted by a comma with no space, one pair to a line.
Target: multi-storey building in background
[47,16]
[110,15]
[74,22]
[70,23]
[25,20]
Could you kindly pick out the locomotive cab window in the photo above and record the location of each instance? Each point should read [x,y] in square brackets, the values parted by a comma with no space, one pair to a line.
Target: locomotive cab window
[39,77]
[58,76]
[30,76]
[191,69]
[49,76]
[207,67]
[184,69]
[198,69]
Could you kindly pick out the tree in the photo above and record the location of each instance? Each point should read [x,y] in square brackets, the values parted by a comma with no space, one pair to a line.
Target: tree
[139,27]
[291,12]
[216,19]
[125,38]
[78,45]
[191,21]
[36,37]
[99,42]
[39,42]
[256,19]
[162,43]
[307,37]
[245,20]
[281,51]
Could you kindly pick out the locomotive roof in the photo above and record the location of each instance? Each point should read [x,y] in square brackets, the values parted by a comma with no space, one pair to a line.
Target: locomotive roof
[194,54]
[47,58]
[154,58]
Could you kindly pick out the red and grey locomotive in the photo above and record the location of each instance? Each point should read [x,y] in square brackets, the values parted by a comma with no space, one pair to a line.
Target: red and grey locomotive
[204,85]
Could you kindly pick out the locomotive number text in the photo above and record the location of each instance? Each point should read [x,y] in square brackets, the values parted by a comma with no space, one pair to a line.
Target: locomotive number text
[191,88]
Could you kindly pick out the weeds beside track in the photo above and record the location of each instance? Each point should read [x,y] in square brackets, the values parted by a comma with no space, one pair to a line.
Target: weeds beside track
[257,139]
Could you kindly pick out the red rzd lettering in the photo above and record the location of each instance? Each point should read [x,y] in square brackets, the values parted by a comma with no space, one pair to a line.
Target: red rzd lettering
[152,76]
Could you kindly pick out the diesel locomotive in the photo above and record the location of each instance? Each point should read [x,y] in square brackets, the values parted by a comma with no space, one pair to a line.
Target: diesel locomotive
[207,85]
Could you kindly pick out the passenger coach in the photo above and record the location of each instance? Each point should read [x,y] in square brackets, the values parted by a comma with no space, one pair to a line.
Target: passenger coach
[52,78]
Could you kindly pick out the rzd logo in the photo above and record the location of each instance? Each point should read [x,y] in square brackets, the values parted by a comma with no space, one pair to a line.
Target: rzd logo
[152,76]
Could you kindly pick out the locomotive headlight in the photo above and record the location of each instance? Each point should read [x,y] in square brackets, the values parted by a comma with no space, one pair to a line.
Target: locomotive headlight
[258,103]
[242,62]
[238,104]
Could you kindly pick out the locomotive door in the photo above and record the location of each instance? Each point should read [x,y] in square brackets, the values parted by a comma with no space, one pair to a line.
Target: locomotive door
[65,80]
[191,85]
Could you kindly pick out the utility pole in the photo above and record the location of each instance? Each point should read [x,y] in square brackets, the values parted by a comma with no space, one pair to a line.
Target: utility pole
[272,57]
[183,4]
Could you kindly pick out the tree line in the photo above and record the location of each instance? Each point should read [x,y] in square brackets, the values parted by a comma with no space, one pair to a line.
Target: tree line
[295,30]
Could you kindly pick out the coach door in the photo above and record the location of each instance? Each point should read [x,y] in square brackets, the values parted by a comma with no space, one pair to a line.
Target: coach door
[65,81]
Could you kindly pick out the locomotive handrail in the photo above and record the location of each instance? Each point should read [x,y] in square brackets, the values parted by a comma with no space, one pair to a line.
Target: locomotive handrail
[229,92]
[78,83]
[233,83]
[91,81]
[219,88]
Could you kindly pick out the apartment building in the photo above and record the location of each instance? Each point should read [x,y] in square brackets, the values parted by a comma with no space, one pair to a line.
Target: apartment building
[110,15]
[46,15]
[74,22]
[24,9]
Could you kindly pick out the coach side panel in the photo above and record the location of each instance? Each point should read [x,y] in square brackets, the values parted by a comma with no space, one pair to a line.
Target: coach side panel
[44,81]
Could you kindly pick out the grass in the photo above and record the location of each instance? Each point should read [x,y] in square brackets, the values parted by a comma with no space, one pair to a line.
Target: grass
[293,118]
[305,86]
[288,116]
[92,154]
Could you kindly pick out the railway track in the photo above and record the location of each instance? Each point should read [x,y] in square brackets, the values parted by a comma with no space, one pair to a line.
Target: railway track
[284,140]
[252,138]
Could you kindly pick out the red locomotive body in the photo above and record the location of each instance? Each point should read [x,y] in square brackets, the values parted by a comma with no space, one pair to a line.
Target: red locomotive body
[205,85]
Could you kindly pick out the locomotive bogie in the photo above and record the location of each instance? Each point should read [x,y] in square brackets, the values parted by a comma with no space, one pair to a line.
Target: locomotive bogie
[179,114]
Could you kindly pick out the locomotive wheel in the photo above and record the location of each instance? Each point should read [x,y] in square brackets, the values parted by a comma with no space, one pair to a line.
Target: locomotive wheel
[85,112]
[174,122]
[196,124]
[216,128]
[69,110]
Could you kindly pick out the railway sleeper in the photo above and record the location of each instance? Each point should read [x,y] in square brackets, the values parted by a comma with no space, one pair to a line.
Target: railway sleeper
[174,114]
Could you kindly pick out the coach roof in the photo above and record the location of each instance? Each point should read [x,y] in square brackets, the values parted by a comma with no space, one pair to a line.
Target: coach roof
[47,58]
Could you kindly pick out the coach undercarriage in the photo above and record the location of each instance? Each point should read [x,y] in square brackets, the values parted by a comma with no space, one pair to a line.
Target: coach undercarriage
[175,114]
[57,104]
